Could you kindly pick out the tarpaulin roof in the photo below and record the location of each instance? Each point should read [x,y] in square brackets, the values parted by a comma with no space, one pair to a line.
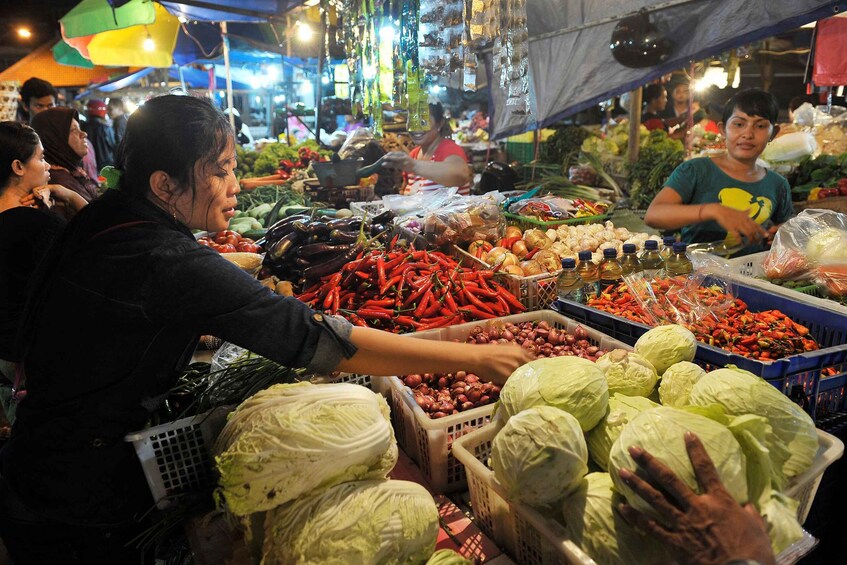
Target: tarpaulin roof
[40,63]
[572,67]
[231,10]
[194,78]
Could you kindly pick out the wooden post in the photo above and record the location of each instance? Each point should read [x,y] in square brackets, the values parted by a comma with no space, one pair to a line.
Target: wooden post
[634,125]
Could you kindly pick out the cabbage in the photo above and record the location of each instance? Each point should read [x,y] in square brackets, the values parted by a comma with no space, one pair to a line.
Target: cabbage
[665,345]
[628,373]
[661,431]
[357,522]
[291,439]
[539,455]
[794,443]
[448,557]
[780,514]
[677,382]
[592,523]
[827,244]
[621,410]
[572,384]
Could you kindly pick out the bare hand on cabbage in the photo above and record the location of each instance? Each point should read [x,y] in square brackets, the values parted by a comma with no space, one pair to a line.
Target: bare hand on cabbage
[710,528]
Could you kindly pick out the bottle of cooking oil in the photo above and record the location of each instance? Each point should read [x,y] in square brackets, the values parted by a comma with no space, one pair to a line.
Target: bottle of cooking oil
[679,263]
[610,270]
[629,262]
[667,247]
[590,277]
[652,263]
[569,285]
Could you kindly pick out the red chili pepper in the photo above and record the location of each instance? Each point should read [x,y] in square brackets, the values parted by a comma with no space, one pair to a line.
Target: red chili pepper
[477,313]
[531,254]
[373,313]
[510,299]
[476,301]
[327,302]
[422,305]
[380,269]
[450,302]
[437,322]
[389,283]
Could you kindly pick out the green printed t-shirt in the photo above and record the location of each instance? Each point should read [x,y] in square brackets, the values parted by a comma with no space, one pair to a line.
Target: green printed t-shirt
[701,181]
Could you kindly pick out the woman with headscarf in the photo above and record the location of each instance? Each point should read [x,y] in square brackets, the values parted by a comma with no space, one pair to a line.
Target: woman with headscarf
[64,148]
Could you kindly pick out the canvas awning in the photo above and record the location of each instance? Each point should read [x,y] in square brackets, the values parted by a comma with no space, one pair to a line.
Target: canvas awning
[40,63]
[572,67]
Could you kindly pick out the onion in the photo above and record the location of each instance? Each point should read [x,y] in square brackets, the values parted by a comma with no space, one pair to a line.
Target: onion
[513,231]
[496,255]
[580,333]
[514,270]
[412,381]
[508,335]
[519,249]
[467,405]
[592,350]
[442,382]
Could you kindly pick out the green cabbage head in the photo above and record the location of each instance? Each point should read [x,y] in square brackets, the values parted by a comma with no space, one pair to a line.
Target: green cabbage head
[539,455]
[628,373]
[572,384]
[740,392]
[358,522]
[622,409]
[661,431]
[665,345]
[677,382]
[592,523]
[291,439]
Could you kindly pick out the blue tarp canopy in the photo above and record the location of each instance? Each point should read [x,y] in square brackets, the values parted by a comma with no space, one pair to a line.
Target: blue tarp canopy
[231,10]
[194,78]
[571,67]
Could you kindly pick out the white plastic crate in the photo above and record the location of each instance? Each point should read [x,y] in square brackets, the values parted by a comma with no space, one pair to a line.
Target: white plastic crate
[535,292]
[532,538]
[429,442]
[177,457]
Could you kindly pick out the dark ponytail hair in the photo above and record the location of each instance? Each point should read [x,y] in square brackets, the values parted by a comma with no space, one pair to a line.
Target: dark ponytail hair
[171,133]
[17,143]
[436,116]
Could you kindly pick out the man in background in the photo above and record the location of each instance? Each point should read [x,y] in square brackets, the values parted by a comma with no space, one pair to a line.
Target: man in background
[37,95]
[117,111]
[100,132]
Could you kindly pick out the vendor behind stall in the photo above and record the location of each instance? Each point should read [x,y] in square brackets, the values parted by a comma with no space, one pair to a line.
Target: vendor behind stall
[729,197]
[436,162]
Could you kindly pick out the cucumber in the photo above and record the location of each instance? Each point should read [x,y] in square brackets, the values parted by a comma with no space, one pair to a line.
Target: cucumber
[255,234]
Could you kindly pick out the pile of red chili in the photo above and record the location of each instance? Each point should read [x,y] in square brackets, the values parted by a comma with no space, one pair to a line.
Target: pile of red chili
[764,335]
[405,290]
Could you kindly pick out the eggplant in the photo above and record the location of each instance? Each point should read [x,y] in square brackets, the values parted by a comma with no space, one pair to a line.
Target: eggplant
[377,229]
[344,236]
[318,228]
[283,227]
[301,262]
[283,247]
[346,224]
[320,248]
[301,227]
[332,265]
[384,217]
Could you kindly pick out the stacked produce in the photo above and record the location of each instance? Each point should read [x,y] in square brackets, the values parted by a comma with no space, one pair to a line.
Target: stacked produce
[402,290]
[263,206]
[536,251]
[229,241]
[658,157]
[302,249]
[763,336]
[440,395]
[303,466]
[554,208]
[275,162]
[757,438]
[820,177]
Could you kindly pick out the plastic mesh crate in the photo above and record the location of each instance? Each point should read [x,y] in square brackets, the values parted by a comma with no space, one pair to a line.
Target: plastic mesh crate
[535,292]
[367,209]
[532,538]
[429,442]
[177,457]
[524,151]
[827,326]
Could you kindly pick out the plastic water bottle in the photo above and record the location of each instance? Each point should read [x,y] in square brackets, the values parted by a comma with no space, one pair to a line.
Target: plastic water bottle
[679,263]
[610,269]
[667,247]
[629,262]
[569,284]
[652,263]
[590,278]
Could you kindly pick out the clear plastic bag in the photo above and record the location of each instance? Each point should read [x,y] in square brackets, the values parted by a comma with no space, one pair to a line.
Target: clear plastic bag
[805,244]
[356,143]
[470,219]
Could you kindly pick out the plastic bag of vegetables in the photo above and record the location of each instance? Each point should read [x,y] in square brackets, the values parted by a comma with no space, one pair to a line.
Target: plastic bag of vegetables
[291,439]
[358,522]
[805,242]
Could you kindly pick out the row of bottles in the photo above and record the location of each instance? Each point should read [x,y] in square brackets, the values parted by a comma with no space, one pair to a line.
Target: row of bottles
[580,282]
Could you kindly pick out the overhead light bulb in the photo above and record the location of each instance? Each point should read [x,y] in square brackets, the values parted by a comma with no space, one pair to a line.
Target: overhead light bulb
[324,79]
[736,81]
[386,33]
[149,44]
[24,32]
[304,32]
[183,20]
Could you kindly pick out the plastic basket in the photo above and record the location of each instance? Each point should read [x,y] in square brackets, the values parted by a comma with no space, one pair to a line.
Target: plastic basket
[535,292]
[526,222]
[749,268]
[340,197]
[531,538]
[177,457]
[523,151]
[429,441]
[827,326]
[367,209]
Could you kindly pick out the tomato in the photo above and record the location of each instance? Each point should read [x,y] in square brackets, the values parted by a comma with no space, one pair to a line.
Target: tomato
[247,240]
[227,248]
[231,239]
[248,247]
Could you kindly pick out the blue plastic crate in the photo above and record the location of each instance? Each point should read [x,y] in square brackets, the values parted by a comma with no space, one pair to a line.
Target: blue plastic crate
[829,328]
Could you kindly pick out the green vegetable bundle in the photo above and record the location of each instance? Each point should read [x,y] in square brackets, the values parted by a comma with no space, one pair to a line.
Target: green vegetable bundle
[824,170]
[658,157]
[563,146]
